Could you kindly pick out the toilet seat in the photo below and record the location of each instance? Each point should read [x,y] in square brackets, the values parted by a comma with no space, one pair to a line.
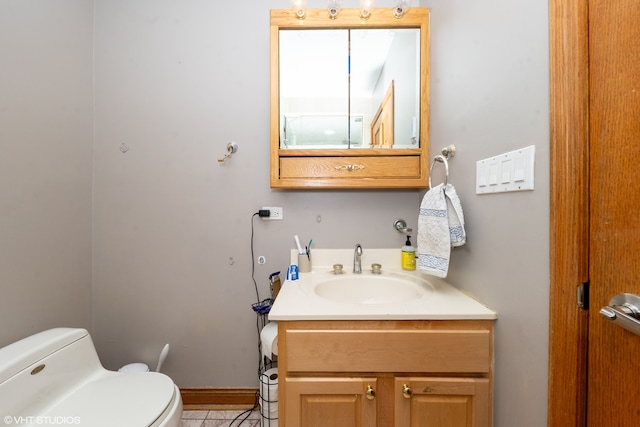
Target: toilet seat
[124,400]
[135,367]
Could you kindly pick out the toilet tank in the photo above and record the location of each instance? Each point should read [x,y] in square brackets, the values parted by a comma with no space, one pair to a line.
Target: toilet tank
[39,371]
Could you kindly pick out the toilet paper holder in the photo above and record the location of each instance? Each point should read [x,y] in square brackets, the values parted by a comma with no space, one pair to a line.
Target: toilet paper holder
[269,398]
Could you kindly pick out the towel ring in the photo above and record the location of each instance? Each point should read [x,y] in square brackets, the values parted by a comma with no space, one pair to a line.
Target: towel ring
[441,159]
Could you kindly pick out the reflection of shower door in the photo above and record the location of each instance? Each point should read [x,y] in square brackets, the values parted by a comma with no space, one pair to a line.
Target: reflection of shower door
[322,131]
[382,124]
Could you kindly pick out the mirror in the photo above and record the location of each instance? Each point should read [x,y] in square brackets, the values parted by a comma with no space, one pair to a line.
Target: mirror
[349,99]
[334,84]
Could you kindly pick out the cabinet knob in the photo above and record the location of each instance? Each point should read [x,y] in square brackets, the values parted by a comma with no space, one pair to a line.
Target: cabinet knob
[406,391]
[370,393]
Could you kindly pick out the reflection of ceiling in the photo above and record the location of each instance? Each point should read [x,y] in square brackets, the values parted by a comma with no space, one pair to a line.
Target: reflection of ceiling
[315,63]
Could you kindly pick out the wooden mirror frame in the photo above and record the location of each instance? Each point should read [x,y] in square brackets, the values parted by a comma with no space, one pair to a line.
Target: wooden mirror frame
[349,168]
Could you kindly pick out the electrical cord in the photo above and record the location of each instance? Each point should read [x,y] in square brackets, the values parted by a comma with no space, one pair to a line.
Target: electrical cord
[261,310]
[253,264]
[255,284]
[260,307]
[246,412]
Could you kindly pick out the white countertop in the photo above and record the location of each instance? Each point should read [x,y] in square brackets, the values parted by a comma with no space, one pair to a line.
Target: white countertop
[298,301]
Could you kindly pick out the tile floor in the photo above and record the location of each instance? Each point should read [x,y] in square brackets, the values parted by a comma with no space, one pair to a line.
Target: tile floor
[204,418]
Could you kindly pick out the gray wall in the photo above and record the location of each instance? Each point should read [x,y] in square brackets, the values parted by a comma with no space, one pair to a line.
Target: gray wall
[490,94]
[46,119]
[176,81]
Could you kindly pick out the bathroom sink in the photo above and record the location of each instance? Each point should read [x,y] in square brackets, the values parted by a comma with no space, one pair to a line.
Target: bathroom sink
[372,289]
[393,295]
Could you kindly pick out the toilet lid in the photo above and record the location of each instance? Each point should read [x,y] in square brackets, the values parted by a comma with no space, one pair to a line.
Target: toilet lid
[133,399]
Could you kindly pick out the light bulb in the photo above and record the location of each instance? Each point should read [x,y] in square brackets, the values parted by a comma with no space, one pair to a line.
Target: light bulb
[366,8]
[401,7]
[299,8]
[333,7]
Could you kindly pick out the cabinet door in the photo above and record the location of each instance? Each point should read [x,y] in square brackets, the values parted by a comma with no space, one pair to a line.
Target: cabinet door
[442,402]
[335,402]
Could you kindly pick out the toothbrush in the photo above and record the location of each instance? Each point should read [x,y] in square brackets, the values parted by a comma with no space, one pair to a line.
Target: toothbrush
[300,251]
[308,249]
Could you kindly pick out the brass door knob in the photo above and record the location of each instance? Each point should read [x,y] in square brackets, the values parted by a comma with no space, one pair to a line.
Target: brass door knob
[370,393]
[406,391]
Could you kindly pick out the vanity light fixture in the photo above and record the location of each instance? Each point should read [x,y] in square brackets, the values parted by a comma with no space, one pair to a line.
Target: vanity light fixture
[401,7]
[333,7]
[299,8]
[366,7]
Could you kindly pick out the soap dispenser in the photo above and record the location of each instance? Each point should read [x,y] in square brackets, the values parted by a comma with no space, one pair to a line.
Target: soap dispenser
[408,255]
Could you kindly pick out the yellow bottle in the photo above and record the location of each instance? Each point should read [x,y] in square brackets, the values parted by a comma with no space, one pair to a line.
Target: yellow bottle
[408,255]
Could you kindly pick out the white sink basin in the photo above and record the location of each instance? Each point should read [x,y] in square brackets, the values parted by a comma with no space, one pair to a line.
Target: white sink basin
[371,289]
[394,295]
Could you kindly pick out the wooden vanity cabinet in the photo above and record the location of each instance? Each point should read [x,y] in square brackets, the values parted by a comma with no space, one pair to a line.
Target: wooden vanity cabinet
[385,373]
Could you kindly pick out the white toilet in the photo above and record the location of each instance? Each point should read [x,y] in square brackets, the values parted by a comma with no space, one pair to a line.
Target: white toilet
[56,376]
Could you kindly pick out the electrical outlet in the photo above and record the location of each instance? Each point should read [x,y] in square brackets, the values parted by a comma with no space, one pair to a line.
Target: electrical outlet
[275,213]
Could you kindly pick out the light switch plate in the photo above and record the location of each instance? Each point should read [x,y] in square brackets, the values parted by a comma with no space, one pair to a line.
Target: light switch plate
[512,171]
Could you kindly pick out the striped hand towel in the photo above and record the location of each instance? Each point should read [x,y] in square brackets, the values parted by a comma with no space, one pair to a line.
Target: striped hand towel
[455,216]
[440,226]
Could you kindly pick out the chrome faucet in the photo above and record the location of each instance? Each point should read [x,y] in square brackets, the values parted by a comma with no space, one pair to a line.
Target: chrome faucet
[357,261]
